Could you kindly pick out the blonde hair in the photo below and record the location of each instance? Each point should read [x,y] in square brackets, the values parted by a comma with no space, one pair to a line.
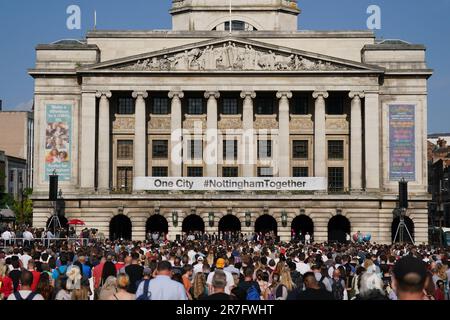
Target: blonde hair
[80,294]
[286,279]
[441,271]
[3,269]
[123,281]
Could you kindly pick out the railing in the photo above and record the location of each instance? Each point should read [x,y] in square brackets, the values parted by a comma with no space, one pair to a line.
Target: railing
[4,244]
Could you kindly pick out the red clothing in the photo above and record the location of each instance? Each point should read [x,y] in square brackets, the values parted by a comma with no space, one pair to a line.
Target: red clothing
[6,287]
[36,277]
[97,274]
[119,265]
[439,295]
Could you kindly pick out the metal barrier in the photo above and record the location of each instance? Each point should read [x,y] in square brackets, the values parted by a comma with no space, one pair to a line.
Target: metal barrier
[5,244]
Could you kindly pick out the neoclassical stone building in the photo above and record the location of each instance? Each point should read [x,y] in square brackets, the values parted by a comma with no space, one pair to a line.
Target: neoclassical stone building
[340,104]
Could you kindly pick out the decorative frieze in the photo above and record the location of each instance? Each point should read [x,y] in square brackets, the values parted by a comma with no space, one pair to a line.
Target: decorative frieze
[123,123]
[337,124]
[159,122]
[194,121]
[266,121]
[302,123]
[230,121]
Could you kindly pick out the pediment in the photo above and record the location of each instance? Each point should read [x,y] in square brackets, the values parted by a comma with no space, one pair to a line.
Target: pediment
[231,55]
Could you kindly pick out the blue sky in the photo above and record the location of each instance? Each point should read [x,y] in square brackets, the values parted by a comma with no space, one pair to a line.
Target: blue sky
[25,23]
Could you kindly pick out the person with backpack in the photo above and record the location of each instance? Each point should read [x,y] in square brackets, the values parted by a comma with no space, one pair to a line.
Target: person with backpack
[250,286]
[338,288]
[142,292]
[25,293]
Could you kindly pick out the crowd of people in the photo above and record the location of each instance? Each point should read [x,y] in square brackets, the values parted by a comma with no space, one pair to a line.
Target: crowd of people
[234,269]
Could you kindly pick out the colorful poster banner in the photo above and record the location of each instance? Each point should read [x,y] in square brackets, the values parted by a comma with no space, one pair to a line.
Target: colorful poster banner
[58,141]
[402,143]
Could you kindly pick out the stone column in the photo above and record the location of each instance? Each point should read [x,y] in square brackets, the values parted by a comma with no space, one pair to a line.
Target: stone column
[176,165]
[247,144]
[284,167]
[104,142]
[140,134]
[372,140]
[211,154]
[320,143]
[87,154]
[356,141]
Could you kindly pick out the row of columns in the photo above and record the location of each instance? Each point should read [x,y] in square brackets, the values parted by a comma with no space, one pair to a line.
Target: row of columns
[320,162]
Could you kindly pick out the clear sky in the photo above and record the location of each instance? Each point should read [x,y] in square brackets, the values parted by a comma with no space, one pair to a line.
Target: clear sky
[26,23]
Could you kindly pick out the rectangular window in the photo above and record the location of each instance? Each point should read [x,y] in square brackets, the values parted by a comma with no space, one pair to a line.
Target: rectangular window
[336,179]
[230,172]
[125,149]
[230,106]
[300,172]
[265,172]
[335,150]
[125,106]
[235,25]
[160,106]
[195,172]
[264,106]
[160,149]
[335,106]
[300,105]
[195,149]
[160,172]
[300,149]
[125,178]
[264,149]
[230,150]
[195,106]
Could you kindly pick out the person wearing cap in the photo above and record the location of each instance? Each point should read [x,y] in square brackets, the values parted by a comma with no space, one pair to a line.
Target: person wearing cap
[409,278]
[147,276]
[220,264]
[198,267]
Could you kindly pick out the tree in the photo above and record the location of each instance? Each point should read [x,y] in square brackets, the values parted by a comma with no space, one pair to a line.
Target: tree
[24,209]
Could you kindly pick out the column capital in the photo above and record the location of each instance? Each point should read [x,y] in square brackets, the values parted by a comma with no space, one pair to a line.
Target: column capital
[323,94]
[250,94]
[101,94]
[354,94]
[137,94]
[281,94]
[212,94]
[173,94]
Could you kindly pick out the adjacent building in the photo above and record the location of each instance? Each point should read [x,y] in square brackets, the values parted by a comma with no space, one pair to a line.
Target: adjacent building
[336,104]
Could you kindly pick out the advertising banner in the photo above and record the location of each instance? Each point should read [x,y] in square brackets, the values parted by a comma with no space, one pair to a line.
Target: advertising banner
[58,141]
[402,143]
[229,184]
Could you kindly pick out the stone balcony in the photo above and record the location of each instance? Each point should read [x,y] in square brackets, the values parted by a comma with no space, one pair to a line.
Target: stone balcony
[123,123]
[301,124]
[192,122]
[337,124]
[265,121]
[159,123]
[230,122]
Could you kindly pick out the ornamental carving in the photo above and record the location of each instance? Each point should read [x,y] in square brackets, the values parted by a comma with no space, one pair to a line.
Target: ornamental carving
[301,123]
[159,123]
[339,124]
[123,123]
[194,122]
[229,122]
[266,122]
[231,56]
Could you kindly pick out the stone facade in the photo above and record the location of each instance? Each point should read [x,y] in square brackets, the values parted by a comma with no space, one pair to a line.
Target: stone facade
[331,91]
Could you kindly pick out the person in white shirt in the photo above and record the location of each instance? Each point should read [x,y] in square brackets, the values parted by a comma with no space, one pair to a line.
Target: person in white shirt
[307,238]
[24,258]
[163,287]
[220,264]
[301,266]
[199,266]
[25,293]
[7,236]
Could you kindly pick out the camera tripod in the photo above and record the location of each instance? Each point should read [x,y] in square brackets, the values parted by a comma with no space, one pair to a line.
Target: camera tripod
[400,233]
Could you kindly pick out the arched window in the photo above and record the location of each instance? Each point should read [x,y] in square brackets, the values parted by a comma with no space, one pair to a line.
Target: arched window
[236,25]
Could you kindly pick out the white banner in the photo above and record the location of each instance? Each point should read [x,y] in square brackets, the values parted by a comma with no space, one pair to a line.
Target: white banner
[229,184]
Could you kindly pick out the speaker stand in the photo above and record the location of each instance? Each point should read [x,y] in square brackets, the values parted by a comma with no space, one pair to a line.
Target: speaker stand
[401,231]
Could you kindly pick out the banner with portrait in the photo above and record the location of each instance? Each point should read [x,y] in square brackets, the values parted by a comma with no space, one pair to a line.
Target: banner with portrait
[402,143]
[58,141]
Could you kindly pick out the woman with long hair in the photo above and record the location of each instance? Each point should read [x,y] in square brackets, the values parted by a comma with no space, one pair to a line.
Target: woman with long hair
[6,287]
[123,281]
[109,270]
[44,286]
[199,287]
[263,280]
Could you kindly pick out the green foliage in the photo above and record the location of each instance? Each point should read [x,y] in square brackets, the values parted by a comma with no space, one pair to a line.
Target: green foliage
[24,209]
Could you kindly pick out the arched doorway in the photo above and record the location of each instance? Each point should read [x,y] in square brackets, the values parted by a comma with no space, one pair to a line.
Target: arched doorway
[157,224]
[301,225]
[229,223]
[409,224]
[266,224]
[51,223]
[193,223]
[120,228]
[338,227]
